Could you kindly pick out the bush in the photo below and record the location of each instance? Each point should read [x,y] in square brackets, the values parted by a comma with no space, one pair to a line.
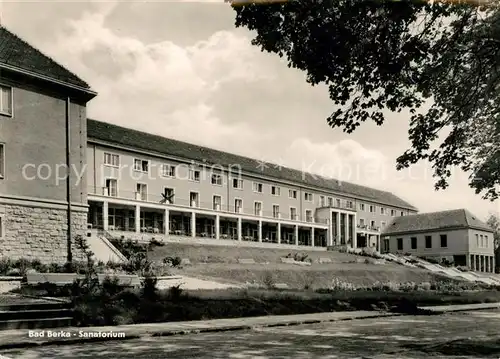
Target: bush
[269,280]
[172,261]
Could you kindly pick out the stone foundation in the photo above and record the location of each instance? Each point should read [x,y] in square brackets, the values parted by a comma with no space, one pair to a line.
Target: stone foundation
[39,233]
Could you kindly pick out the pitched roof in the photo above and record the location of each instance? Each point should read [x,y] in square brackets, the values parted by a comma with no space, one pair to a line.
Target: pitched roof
[19,54]
[457,218]
[140,140]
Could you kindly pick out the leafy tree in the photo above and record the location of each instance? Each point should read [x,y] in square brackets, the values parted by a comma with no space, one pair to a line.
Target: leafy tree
[439,61]
[494,222]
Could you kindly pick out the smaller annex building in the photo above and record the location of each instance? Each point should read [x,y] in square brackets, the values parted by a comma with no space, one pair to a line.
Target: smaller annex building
[455,236]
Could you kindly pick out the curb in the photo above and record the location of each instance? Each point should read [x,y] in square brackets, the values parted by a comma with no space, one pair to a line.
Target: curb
[175,332]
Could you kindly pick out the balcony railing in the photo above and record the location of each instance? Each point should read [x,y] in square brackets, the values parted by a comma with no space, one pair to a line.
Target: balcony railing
[211,206]
[338,206]
[369,228]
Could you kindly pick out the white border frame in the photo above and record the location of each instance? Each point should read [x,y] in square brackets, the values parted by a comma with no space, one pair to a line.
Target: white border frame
[6,114]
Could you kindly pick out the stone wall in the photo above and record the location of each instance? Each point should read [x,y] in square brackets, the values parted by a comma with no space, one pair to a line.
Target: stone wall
[39,233]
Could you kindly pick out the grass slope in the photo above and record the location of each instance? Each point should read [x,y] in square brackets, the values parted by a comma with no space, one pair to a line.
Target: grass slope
[220,263]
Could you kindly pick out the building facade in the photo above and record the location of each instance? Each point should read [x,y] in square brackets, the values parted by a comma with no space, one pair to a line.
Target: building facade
[142,184]
[36,93]
[456,236]
[138,185]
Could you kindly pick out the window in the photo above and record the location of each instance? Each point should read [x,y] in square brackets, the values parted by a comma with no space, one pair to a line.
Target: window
[111,159]
[293,213]
[321,202]
[413,242]
[257,208]
[217,201]
[168,171]
[402,213]
[330,202]
[361,206]
[481,241]
[2,160]
[444,240]
[362,222]
[217,179]
[292,194]
[276,211]
[1,227]
[338,202]
[372,209]
[275,191]
[111,187]
[486,241]
[141,165]
[194,175]
[6,100]
[382,224]
[237,183]
[238,205]
[257,187]
[393,213]
[193,199]
[168,195]
[382,210]
[477,240]
[350,204]
[400,244]
[372,224]
[308,215]
[308,196]
[142,191]
[428,241]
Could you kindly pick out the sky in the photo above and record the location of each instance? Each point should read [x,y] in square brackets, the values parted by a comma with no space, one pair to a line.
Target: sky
[182,70]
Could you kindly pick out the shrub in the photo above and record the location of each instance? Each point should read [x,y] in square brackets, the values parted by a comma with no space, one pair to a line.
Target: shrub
[338,284]
[269,280]
[172,261]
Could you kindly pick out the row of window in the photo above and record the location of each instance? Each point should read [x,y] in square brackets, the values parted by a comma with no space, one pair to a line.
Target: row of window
[383,211]
[372,224]
[428,242]
[482,241]
[237,183]
[169,196]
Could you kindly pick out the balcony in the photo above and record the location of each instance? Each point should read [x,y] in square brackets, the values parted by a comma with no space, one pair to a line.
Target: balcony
[191,204]
[337,206]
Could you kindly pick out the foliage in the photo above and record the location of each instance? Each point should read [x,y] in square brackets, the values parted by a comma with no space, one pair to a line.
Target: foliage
[269,280]
[172,261]
[494,222]
[439,61]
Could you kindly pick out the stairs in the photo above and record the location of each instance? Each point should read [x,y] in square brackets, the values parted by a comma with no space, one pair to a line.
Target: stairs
[29,313]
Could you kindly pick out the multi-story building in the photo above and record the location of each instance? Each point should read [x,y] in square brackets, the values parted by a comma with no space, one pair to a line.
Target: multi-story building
[456,236]
[142,183]
[37,97]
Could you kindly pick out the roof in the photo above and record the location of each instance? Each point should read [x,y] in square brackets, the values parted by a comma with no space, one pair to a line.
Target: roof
[457,218]
[117,135]
[19,54]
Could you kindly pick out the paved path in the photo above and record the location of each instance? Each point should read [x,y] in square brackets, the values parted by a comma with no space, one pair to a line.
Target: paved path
[466,335]
[21,338]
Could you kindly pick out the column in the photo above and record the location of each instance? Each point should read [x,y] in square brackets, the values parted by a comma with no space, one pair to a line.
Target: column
[137,219]
[354,237]
[467,261]
[329,238]
[486,264]
[296,235]
[481,264]
[346,228]
[337,215]
[217,226]
[239,228]
[378,243]
[193,224]
[105,215]
[166,221]
[493,264]
[260,230]
[312,236]
[478,264]
[278,232]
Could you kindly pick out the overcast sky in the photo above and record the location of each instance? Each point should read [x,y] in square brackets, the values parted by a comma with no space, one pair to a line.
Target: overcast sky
[181,70]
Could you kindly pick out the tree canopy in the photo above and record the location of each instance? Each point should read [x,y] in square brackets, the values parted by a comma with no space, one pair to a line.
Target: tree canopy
[439,61]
